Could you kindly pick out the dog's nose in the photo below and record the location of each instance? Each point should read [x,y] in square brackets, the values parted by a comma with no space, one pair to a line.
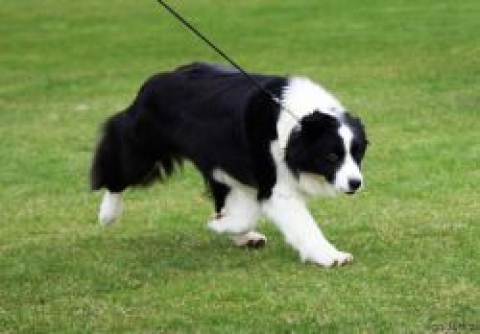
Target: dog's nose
[354,184]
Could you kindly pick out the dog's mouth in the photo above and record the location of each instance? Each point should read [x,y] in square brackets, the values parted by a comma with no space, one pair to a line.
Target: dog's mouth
[349,191]
[351,187]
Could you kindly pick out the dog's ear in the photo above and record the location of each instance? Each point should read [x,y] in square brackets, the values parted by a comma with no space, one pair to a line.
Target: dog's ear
[315,124]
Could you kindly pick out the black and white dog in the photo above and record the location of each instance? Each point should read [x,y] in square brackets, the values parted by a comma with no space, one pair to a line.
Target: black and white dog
[255,157]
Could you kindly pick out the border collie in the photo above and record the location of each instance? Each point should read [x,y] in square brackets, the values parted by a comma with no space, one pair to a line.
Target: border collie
[255,157]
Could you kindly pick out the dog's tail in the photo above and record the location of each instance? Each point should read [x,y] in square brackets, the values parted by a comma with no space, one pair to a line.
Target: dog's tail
[125,156]
[105,170]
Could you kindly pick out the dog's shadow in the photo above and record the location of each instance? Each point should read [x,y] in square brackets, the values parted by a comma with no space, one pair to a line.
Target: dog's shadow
[172,251]
[100,263]
[113,261]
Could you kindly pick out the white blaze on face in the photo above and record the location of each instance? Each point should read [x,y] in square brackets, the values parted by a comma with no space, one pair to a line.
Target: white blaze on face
[349,171]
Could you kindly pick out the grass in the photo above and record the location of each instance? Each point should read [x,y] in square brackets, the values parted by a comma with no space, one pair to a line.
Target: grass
[410,69]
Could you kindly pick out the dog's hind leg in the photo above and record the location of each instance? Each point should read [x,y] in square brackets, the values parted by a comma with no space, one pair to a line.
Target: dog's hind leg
[125,157]
[111,208]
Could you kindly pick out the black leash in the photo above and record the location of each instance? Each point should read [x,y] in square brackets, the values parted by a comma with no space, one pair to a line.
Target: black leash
[266,91]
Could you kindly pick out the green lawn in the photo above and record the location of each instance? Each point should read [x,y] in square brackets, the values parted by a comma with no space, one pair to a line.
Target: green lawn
[411,69]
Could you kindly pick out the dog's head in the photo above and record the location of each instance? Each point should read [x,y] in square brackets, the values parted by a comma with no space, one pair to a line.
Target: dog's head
[330,148]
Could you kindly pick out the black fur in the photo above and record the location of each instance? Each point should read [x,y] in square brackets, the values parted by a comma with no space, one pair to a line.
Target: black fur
[311,149]
[360,142]
[317,148]
[199,112]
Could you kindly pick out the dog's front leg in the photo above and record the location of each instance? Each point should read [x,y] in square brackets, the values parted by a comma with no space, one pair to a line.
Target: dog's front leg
[289,212]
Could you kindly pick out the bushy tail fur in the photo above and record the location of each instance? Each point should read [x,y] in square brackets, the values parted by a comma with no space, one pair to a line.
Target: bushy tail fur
[127,156]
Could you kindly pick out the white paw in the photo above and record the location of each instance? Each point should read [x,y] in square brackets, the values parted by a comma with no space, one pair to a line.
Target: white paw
[329,258]
[217,224]
[342,258]
[227,224]
[110,209]
[250,239]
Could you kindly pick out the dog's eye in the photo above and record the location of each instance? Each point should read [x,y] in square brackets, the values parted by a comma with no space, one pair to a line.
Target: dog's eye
[332,157]
[356,150]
